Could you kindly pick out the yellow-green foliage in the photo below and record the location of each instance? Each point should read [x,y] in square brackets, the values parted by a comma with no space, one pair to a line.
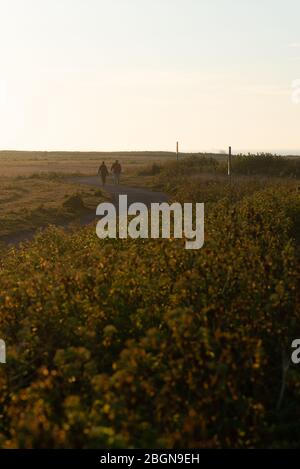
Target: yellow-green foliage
[266,164]
[263,164]
[144,344]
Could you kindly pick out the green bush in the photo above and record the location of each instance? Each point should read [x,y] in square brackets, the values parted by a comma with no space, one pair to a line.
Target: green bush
[131,343]
[266,164]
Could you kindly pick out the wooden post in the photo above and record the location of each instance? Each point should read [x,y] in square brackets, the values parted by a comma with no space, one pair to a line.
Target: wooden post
[177,150]
[229,165]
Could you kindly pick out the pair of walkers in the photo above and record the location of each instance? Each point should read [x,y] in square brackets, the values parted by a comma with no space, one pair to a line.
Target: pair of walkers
[116,170]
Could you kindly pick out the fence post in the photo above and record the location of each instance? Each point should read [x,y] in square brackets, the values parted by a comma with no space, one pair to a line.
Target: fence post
[229,165]
[177,150]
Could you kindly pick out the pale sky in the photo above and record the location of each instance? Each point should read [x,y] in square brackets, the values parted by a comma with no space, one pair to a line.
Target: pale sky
[141,74]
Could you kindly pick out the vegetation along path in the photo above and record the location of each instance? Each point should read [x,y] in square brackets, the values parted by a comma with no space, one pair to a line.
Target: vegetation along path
[134,194]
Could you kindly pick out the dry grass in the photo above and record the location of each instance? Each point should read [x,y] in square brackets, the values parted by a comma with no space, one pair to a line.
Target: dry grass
[33,190]
[14,164]
[29,203]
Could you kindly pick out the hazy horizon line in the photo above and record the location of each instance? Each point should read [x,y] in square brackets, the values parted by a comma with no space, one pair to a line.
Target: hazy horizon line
[282,152]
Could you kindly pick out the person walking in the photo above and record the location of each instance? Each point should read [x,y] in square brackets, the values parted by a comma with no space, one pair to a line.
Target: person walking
[103,173]
[116,169]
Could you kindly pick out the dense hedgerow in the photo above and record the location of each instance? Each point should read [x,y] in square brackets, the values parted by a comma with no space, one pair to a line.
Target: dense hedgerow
[189,166]
[266,164]
[144,344]
[263,164]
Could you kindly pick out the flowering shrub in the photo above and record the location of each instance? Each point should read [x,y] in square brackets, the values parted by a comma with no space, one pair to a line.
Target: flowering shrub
[140,343]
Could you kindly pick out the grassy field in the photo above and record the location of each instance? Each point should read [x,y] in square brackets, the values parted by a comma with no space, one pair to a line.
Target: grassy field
[29,203]
[35,192]
[141,343]
[28,163]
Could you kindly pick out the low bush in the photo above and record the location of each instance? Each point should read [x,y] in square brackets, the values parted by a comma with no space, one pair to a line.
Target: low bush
[131,343]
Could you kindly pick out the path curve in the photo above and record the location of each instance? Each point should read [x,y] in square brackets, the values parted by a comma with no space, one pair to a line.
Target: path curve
[134,194]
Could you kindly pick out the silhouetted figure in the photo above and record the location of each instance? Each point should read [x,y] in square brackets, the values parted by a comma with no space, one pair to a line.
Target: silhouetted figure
[103,173]
[116,169]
